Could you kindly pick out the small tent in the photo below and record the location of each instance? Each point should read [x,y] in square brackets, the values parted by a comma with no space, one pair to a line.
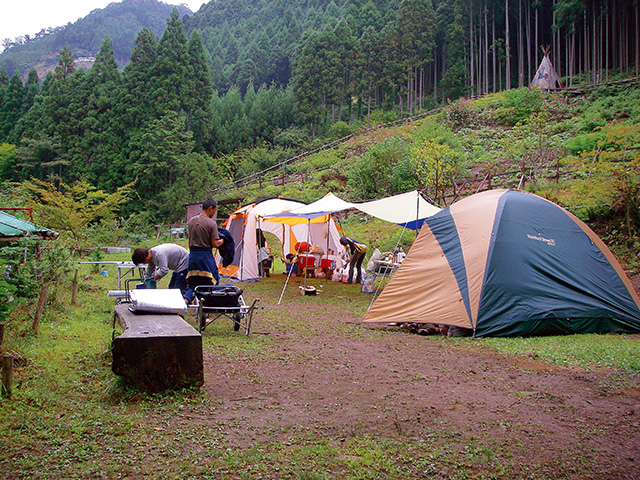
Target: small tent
[546,77]
[247,226]
[505,263]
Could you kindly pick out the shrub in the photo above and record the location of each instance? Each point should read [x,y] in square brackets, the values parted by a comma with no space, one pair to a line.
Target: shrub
[381,170]
[518,105]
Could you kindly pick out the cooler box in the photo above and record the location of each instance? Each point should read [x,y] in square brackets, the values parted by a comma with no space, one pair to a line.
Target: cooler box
[218,296]
[328,263]
[306,261]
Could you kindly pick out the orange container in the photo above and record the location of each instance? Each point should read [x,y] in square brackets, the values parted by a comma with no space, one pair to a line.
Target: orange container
[302,247]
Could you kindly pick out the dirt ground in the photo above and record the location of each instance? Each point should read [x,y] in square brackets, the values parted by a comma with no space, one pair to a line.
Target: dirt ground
[342,380]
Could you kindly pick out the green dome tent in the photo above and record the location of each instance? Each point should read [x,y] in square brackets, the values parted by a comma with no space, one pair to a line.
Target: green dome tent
[505,263]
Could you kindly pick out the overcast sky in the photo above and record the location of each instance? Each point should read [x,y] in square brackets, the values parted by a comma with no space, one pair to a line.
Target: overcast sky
[21,17]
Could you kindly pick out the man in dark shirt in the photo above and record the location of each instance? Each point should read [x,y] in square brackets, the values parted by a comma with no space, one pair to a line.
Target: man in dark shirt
[203,238]
[357,250]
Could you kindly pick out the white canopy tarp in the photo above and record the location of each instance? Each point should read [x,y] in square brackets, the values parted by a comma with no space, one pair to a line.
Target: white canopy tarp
[406,209]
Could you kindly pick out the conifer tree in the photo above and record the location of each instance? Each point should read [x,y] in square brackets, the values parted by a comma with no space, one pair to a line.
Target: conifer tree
[170,83]
[198,114]
[10,107]
[103,135]
[137,100]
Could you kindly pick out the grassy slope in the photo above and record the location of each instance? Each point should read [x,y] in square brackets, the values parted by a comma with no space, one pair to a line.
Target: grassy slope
[524,132]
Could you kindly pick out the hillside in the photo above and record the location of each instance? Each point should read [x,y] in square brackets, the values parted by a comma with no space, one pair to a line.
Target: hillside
[578,151]
[121,22]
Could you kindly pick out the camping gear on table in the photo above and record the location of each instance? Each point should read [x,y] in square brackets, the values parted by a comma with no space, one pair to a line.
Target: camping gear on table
[509,263]
[223,300]
[168,301]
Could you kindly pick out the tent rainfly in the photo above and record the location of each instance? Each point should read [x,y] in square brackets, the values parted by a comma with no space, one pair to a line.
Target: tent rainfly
[509,263]
[546,77]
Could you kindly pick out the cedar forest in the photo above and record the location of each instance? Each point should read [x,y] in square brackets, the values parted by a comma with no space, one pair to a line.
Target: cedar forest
[242,86]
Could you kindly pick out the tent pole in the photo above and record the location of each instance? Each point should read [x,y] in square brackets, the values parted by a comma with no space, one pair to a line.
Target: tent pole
[290,269]
[375,294]
[327,249]
[259,244]
[307,255]
[285,285]
[417,210]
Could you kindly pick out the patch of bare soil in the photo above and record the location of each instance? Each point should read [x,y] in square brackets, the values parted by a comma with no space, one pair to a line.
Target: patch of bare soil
[341,380]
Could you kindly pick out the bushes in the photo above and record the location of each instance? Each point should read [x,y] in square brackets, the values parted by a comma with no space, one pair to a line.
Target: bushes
[518,105]
[382,170]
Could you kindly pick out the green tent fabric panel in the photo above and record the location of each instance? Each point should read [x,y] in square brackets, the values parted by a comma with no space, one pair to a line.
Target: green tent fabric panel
[546,276]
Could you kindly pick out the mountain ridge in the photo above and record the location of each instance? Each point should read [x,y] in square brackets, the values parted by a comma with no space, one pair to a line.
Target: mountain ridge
[120,21]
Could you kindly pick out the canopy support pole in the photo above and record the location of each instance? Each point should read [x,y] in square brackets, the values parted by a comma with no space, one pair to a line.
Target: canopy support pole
[375,294]
[285,284]
[326,277]
[291,269]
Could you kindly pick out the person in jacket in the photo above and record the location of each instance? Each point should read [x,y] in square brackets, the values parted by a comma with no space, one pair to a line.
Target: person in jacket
[162,258]
[357,251]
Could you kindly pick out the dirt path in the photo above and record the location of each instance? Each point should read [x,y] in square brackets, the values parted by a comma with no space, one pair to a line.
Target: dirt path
[335,378]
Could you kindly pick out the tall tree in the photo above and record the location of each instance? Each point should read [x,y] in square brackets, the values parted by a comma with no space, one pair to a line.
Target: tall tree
[170,84]
[197,102]
[11,105]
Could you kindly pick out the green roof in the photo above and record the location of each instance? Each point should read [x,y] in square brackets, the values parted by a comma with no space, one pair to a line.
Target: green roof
[12,227]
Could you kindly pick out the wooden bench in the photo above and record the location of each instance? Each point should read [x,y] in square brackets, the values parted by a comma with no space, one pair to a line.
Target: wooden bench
[156,352]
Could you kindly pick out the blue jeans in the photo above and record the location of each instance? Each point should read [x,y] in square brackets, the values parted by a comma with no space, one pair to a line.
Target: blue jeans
[179,280]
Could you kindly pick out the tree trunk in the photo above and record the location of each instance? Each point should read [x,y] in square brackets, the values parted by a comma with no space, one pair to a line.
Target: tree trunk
[471,47]
[7,375]
[508,47]
[435,80]
[520,47]
[528,30]
[74,288]
[486,49]
[606,45]
[585,56]
[594,63]
[493,38]
[535,35]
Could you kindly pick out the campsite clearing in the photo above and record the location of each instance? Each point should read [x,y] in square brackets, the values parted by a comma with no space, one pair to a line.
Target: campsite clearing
[311,394]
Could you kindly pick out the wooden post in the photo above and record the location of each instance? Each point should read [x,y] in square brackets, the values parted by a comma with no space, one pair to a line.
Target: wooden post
[39,309]
[7,375]
[74,288]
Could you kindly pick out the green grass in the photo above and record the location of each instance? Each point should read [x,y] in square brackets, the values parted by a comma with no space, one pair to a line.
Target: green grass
[70,417]
[591,351]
